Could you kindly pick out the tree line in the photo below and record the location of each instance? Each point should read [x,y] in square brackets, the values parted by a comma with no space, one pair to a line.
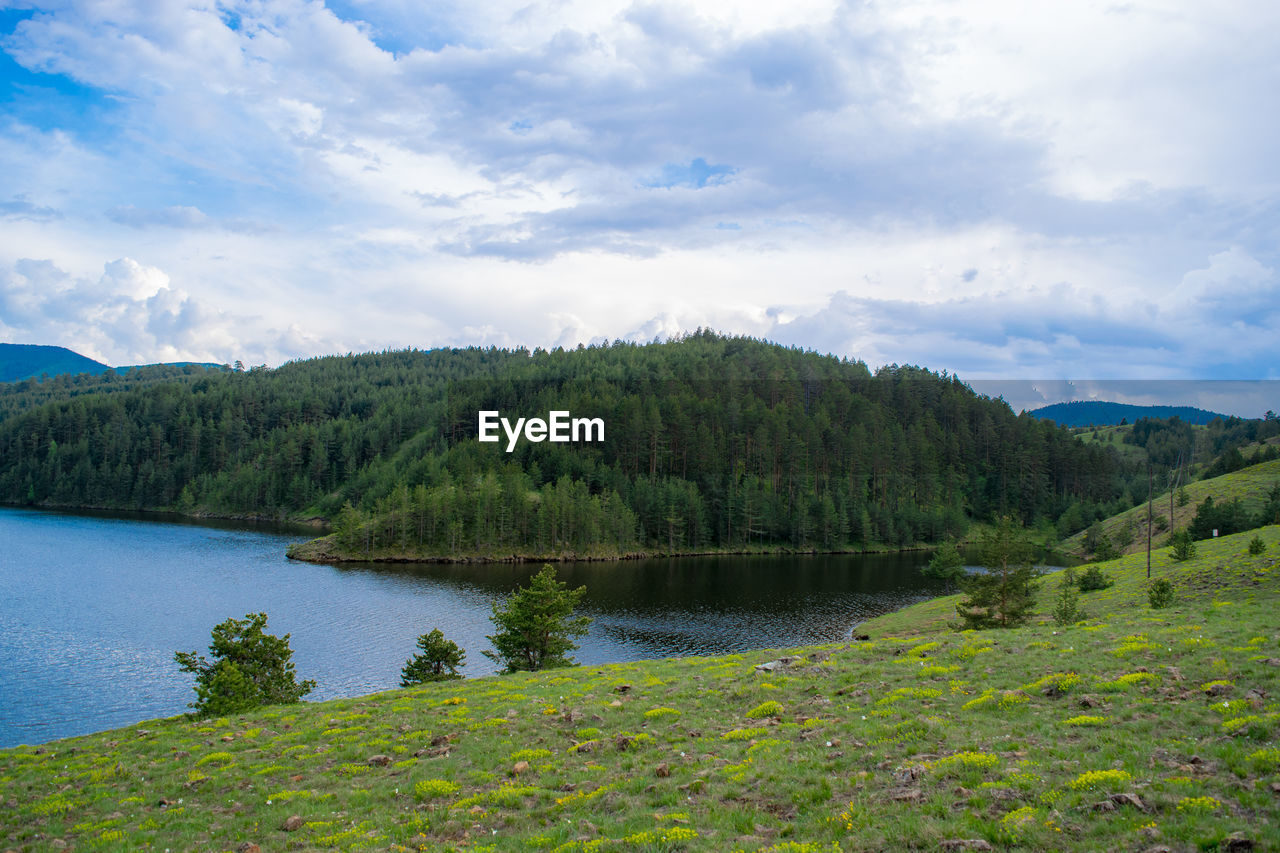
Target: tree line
[712,442]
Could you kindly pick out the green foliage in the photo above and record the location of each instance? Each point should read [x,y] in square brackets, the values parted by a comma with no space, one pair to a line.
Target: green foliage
[1184,547]
[1103,550]
[438,660]
[946,564]
[534,625]
[1003,595]
[249,668]
[1160,593]
[1227,517]
[1067,611]
[1257,546]
[1094,578]
[740,444]
[1183,497]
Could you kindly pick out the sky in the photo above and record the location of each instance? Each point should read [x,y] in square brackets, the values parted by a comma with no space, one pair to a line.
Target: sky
[1089,191]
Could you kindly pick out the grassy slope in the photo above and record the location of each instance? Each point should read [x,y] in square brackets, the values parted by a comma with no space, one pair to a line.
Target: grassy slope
[918,736]
[1250,484]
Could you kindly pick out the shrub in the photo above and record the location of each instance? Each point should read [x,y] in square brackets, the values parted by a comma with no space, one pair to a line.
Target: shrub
[1067,611]
[250,668]
[534,628]
[438,661]
[1184,547]
[1160,593]
[1257,546]
[1094,578]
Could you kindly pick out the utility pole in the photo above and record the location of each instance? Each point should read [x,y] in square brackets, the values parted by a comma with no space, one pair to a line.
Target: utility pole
[1149,485]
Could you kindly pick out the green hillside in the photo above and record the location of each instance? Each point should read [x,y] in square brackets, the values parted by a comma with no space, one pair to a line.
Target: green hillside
[23,361]
[1128,530]
[1133,730]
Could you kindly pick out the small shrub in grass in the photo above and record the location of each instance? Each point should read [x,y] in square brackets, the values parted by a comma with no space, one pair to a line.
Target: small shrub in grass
[1067,611]
[765,709]
[1094,578]
[430,789]
[1160,593]
[1099,780]
[1184,547]
[1257,546]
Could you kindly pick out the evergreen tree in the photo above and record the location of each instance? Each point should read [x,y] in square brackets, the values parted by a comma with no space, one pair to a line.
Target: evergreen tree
[535,625]
[946,564]
[1003,595]
[438,661]
[249,668]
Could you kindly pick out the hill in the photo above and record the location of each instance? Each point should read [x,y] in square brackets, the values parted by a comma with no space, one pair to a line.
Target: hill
[1133,729]
[23,361]
[1128,530]
[709,443]
[1083,413]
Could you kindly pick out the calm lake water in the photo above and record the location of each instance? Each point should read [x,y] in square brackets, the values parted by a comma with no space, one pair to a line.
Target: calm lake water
[92,609]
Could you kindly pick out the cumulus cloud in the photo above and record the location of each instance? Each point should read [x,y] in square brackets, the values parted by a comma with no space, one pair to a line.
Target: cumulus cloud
[129,314]
[935,182]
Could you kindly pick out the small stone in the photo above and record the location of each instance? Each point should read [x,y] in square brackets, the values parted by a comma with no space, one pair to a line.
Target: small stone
[1236,843]
[965,844]
[903,775]
[378,760]
[1218,689]
[662,770]
[58,844]
[297,777]
[228,739]
[1104,806]
[1129,799]
[1272,661]
[248,847]
[615,704]
[439,739]
[1088,702]
[292,823]
[770,666]
[622,688]
[520,767]
[908,795]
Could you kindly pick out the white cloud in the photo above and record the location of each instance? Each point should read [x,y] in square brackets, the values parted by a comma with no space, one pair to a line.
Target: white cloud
[961,184]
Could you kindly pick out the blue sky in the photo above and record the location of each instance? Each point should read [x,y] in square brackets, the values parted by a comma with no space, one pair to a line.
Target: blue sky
[1089,191]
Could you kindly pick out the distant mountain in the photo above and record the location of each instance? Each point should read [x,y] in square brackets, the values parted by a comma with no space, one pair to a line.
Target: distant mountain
[28,361]
[23,361]
[1081,413]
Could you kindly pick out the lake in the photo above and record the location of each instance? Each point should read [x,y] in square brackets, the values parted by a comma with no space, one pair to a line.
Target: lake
[92,609]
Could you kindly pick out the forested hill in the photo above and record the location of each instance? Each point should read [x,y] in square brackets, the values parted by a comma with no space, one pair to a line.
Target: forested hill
[711,442]
[1083,413]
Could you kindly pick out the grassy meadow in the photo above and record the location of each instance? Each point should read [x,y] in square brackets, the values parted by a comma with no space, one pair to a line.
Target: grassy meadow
[1250,485]
[1134,729]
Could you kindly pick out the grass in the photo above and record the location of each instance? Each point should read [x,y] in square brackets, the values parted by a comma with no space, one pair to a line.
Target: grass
[1133,729]
[1250,485]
